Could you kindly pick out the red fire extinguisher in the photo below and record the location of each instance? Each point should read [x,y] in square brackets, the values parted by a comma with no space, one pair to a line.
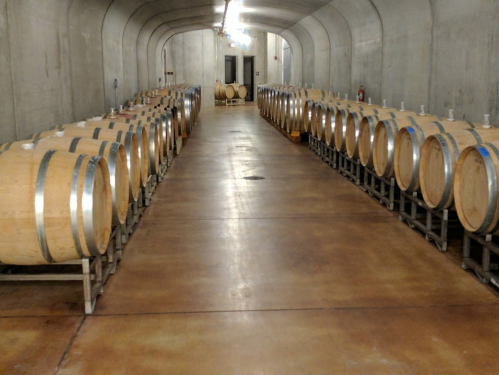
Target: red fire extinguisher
[361,94]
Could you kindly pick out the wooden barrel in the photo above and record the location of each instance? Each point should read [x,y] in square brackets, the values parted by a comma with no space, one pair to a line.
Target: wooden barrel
[366,134]
[178,104]
[330,122]
[476,187]
[115,155]
[55,207]
[154,145]
[341,117]
[439,155]
[408,149]
[145,118]
[354,121]
[224,92]
[169,133]
[240,91]
[383,145]
[142,138]
[127,139]
[321,121]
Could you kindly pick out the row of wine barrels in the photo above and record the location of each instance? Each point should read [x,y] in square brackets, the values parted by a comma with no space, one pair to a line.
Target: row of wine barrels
[154,132]
[439,157]
[128,139]
[383,144]
[56,206]
[358,119]
[113,153]
[68,186]
[114,130]
[408,149]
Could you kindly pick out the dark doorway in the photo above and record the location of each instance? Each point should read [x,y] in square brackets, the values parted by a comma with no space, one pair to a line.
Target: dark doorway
[230,69]
[249,76]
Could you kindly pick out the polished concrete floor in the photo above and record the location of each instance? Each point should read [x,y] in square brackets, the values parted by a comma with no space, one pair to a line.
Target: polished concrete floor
[299,273]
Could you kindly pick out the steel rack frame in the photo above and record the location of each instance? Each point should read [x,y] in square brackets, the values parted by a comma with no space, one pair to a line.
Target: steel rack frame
[384,189]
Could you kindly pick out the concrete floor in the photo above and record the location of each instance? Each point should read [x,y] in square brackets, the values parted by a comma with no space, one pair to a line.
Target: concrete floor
[300,273]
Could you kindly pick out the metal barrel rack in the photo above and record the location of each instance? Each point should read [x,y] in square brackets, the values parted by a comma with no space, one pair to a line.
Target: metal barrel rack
[351,168]
[434,224]
[329,155]
[315,145]
[384,189]
[94,272]
[488,257]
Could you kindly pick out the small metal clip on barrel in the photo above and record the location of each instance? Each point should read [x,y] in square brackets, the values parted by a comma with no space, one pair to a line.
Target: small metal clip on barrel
[384,103]
[120,110]
[346,97]
[339,95]
[369,102]
[451,115]
[357,100]
[402,107]
[486,121]
[422,113]
[112,113]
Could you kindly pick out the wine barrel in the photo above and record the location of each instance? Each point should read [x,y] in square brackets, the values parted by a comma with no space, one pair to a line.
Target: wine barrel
[225,92]
[354,121]
[321,121]
[56,207]
[476,187]
[142,139]
[153,131]
[115,155]
[383,144]
[333,107]
[171,103]
[240,91]
[145,119]
[341,117]
[127,139]
[408,149]
[439,155]
[366,134]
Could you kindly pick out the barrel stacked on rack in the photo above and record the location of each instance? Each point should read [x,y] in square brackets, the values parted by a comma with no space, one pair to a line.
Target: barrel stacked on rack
[452,164]
[65,189]
[232,91]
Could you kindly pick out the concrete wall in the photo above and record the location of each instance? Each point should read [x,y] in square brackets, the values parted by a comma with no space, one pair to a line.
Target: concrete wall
[59,58]
[37,75]
[275,59]
[191,56]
